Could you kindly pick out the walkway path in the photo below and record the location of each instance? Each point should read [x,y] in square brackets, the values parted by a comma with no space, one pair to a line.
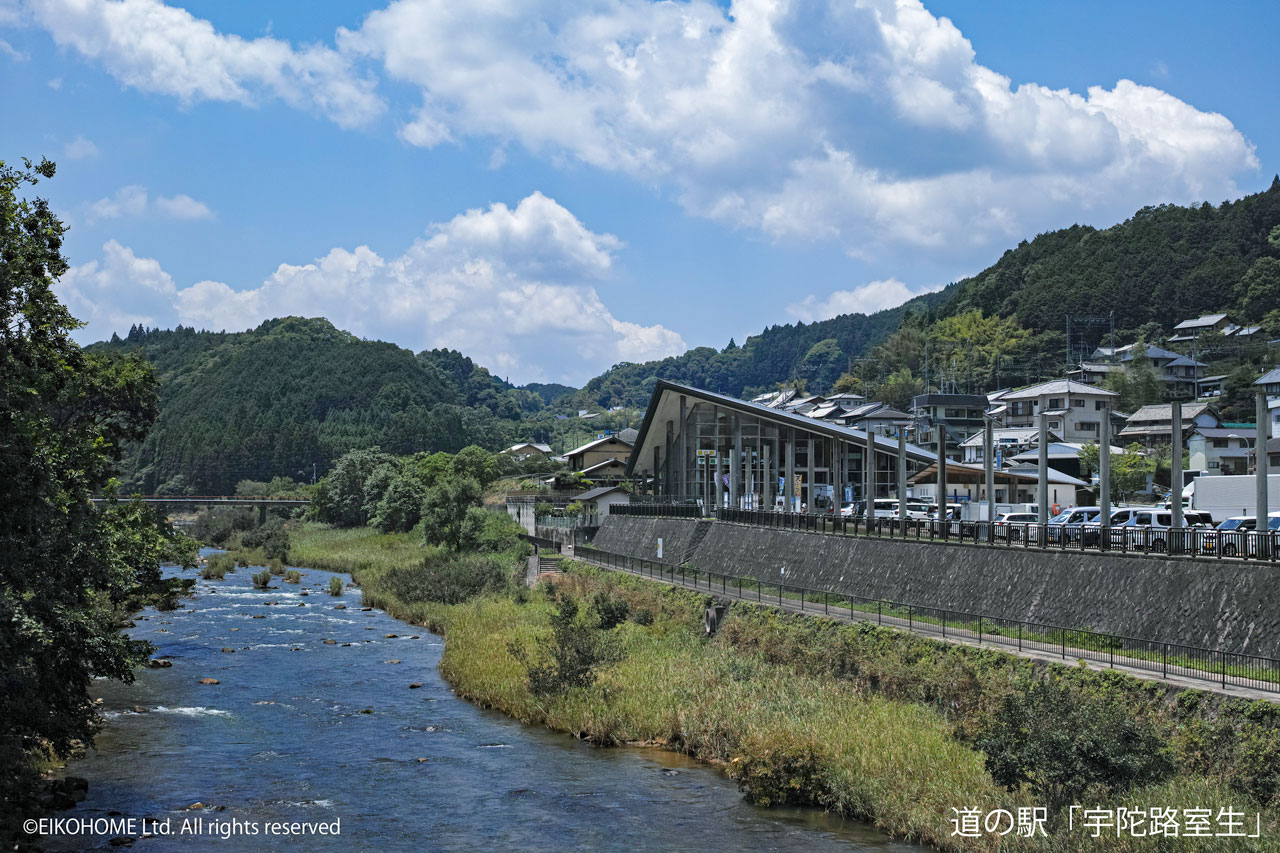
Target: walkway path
[958,636]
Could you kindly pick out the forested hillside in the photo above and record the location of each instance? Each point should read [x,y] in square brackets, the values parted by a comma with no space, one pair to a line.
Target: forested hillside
[296,392]
[293,392]
[1007,324]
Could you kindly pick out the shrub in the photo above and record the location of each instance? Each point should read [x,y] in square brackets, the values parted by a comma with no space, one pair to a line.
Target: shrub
[262,580]
[1064,744]
[213,572]
[293,576]
[570,657]
[447,578]
[781,774]
[642,616]
[275,566]
[610,612]
[216,526]
[335,585]
[271,537]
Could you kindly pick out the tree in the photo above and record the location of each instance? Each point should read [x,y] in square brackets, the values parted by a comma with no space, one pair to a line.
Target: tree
[899,388]
[1137,384]
[342,497]
[1259,291]
[1129,470]
[401,506]
[452,513]
[476,463]
[67,566]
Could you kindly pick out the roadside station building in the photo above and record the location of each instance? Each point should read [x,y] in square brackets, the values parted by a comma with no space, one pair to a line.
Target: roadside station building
[697,445]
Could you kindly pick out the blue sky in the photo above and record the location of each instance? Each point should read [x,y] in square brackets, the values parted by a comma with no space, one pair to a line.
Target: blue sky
[553,188]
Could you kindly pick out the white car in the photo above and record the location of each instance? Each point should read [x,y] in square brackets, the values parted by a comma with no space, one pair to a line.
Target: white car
[1016,526]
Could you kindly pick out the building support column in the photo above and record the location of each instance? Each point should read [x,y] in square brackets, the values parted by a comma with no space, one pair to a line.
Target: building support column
[683,485]
[869,474]
[735,463]
[989,472]
[789,476]
[1042,470]
[668,469]
[1104,480]
[657,459]
[1175,464]
[766,486]
[942,474]
[902,478]
[808,504]
[1260,472]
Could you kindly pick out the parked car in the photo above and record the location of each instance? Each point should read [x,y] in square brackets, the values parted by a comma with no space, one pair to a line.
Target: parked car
[1066,526]
[1238,536]
[1016,526]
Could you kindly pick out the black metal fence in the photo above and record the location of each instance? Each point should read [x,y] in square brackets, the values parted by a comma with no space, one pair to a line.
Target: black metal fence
[657,510]
[1220,668]
[1198,542]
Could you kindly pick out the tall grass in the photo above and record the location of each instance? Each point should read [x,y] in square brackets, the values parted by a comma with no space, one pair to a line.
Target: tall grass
[867,722]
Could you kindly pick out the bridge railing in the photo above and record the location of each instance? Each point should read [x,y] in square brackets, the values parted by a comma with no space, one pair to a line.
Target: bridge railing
[1222,668]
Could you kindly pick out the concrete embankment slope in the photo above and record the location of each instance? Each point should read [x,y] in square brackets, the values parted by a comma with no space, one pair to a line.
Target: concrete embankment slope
[1224,605]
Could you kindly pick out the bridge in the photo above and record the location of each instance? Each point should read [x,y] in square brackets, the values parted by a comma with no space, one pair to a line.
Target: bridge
[261,502]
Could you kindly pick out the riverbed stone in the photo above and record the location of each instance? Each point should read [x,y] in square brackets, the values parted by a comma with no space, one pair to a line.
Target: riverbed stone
[159,663]
[209,681]
[339,607]
[390,636]
[415,685]
[227,650]
[331,642]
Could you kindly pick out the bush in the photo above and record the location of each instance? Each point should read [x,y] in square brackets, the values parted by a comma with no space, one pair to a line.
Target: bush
[275,567]
[293,576]
[448,578]
[642,616]
[1063,744]
[570,657]
[335,586]
[217,526]
[213,572]
[610,612]
[271,537]
[784,774]
[262,580]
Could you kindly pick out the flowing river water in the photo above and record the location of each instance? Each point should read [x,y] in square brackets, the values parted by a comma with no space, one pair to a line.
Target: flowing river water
[284,737]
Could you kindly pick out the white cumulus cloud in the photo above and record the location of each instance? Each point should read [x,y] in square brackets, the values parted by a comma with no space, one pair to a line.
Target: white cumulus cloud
[512,287]
[79,149]
[867,299]
[159,48]
[871,124]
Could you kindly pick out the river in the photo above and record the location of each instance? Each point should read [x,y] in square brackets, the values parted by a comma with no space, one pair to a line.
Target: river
[284,737]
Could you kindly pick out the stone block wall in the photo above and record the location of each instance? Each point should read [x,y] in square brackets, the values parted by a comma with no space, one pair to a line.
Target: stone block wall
[1221,605]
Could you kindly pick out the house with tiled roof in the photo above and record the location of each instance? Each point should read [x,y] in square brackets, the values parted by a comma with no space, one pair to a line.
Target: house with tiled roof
[1074,410]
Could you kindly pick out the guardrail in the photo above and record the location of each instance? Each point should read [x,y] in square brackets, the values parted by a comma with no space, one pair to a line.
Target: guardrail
[1221,668]
[1198,542]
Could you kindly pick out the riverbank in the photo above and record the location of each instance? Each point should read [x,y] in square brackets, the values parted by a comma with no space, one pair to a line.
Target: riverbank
[866,722]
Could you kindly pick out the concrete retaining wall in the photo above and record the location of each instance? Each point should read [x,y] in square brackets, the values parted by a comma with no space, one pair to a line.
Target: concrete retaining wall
[1219,605]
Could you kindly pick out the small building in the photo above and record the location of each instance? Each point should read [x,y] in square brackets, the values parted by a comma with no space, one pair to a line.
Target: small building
[1189,330]
[967,483]
[600,450]
[1007,442]
[609,469]
[527,450]
[1180,375]
[1075,410]
[879,418]
[944,421]
[1220,450]
[1063,456]
[1152,426]
[1269,383]
[1273,453]
[597,502]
